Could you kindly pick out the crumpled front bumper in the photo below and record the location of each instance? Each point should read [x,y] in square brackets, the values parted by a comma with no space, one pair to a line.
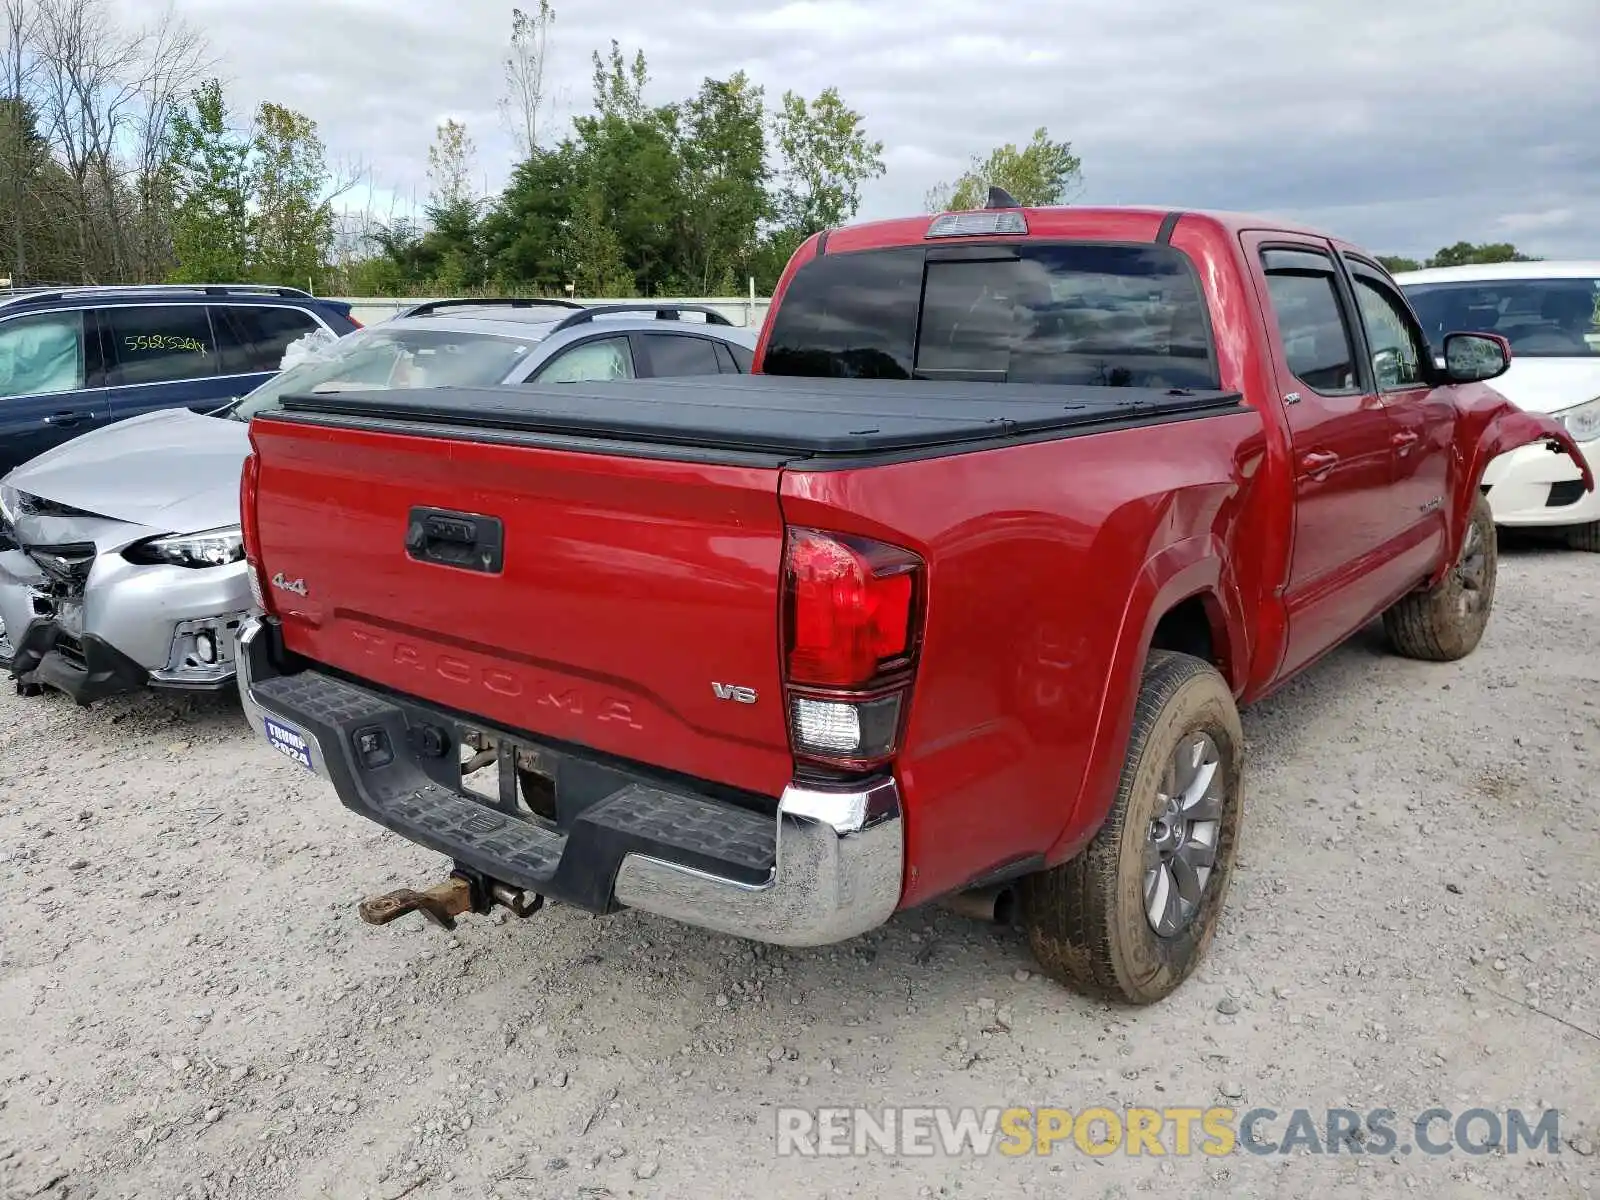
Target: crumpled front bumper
[826,866]
[132,626]
[1535,486]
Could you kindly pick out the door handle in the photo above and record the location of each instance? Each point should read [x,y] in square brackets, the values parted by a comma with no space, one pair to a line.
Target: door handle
[1404,440]
[64,420]
[1318,463]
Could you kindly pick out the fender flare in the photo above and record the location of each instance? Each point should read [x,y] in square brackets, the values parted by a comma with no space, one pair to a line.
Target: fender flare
[1194,566]
[1485,432]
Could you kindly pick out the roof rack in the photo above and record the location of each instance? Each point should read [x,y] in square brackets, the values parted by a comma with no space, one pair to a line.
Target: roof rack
[204,289]
[433,306]
[664,312]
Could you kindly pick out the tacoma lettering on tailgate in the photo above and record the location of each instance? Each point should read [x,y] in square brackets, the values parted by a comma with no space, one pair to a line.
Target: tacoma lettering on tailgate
[496,679]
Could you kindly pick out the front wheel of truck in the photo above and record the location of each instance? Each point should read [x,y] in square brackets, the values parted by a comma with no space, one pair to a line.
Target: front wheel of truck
[1130,917]
[1447,621]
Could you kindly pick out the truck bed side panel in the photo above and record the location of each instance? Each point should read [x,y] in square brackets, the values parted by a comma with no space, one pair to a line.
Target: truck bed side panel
[1031,658]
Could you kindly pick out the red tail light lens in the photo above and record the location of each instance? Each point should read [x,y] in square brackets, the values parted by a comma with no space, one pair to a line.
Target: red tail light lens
[248,479]
[851,627]
[850,608]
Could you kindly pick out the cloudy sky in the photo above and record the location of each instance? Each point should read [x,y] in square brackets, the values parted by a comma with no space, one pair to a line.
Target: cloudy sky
[1401,124]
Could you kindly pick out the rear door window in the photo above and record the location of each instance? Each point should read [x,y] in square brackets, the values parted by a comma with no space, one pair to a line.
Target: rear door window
[42,354]
[678,354]
[1317,345]
[1078,313]
[261,335]
[590,362]
[154,343]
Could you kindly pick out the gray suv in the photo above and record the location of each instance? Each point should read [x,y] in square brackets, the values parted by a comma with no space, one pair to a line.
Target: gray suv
[121,563]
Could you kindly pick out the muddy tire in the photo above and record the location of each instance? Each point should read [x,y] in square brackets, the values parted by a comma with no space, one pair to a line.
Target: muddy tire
[1164,855]
[1585,537]
[1447,621]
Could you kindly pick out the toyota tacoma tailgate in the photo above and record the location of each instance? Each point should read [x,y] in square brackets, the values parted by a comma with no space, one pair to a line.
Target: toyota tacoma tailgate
[624,604]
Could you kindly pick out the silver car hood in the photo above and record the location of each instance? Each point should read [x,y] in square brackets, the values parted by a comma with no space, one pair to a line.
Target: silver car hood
[172,471]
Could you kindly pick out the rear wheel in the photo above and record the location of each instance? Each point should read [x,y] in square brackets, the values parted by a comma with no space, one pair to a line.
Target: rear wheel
[1130,918]
[1585,537]
[1446,622]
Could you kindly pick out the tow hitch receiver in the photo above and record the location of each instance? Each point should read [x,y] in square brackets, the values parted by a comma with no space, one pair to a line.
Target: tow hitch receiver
[443,903]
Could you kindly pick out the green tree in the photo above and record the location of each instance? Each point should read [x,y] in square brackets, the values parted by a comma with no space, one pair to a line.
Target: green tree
[452,248]
[1395,264]
[524,75]
[523,230]
[25,165]
[289,178]
[1040,173]
[628,152]
[826,157]
[723,148]
[1464,253]
[590,255]
[209,162]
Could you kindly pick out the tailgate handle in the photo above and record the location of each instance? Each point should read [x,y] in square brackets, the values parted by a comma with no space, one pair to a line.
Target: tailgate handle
[468,541]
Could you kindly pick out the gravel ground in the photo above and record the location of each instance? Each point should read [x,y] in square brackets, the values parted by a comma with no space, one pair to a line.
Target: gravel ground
[189,1005]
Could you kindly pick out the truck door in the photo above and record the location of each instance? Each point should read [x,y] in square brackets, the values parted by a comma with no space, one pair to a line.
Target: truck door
[1343,454]
[1423,417]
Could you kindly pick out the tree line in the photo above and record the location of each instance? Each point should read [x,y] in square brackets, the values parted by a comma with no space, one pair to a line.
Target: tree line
[1461,254]
[123,161]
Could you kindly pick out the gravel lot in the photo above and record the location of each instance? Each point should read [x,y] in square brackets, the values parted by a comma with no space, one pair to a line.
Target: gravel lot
[189,1005]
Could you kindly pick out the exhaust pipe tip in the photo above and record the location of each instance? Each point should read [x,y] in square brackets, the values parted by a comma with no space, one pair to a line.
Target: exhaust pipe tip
[992,905]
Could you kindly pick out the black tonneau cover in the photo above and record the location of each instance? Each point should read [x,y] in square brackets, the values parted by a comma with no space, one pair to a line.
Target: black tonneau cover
[799,417]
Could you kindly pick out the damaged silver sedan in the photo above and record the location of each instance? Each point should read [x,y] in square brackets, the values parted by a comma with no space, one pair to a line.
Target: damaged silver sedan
[106,597]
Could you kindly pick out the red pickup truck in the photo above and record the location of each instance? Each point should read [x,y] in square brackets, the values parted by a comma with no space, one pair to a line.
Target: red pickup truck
[954,598]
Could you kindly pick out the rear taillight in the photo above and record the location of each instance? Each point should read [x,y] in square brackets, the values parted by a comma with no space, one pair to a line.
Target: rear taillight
[248,478]
[851,628]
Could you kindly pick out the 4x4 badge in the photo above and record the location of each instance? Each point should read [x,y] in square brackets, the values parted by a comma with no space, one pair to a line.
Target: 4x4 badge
[297,586]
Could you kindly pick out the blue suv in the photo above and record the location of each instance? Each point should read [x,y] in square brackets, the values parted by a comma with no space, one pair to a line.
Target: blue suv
[74,359]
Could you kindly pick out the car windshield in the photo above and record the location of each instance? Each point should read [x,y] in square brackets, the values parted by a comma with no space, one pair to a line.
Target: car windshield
[1034,312]
[1541,318]
[389,357]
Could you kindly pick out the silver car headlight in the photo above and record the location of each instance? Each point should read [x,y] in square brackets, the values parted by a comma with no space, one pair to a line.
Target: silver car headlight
[1582,420]
[213,548]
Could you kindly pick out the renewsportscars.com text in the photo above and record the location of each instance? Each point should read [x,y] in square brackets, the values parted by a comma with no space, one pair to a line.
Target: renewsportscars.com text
[1158,1132]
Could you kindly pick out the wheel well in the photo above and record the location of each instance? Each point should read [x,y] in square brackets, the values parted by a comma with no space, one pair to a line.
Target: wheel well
[1192,627]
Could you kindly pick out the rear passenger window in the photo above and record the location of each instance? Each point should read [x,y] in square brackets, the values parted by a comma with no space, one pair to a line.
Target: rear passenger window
[675,354]
[263,333]
[1311,323]
[42,354]
[152,343]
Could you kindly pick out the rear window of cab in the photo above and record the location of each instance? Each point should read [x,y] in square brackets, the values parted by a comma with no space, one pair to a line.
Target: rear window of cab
[1027,312]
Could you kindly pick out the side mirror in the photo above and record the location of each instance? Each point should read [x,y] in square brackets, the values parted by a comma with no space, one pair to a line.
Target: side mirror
[1474,357]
